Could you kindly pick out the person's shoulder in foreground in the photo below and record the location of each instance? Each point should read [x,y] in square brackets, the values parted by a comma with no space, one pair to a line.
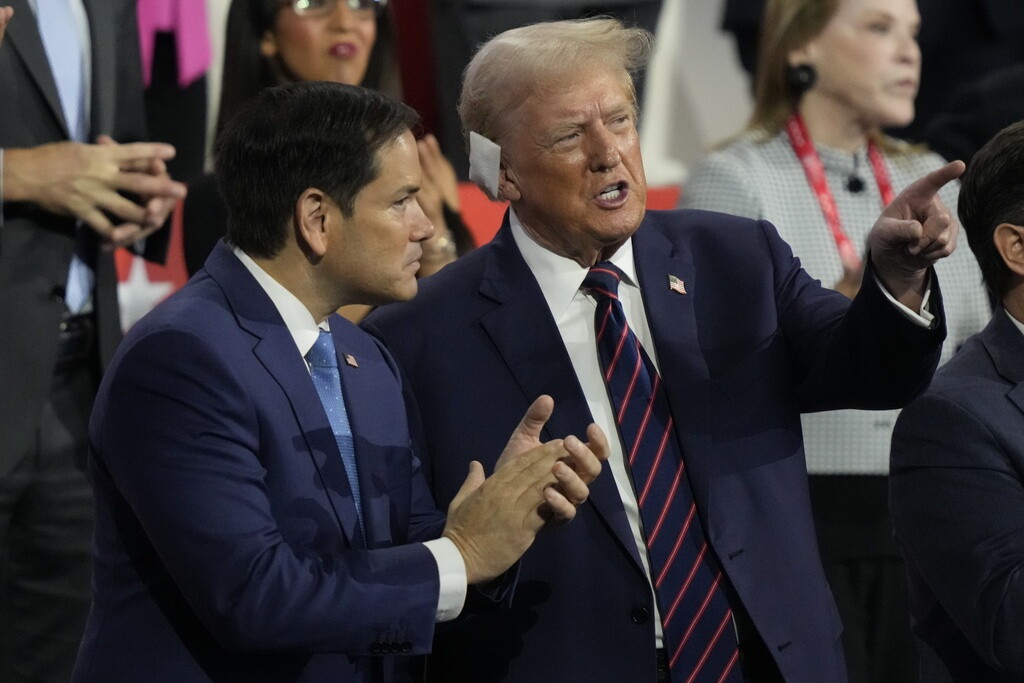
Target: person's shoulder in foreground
[957,461]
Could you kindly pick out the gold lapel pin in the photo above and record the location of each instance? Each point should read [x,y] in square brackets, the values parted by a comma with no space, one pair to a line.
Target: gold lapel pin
[351,360]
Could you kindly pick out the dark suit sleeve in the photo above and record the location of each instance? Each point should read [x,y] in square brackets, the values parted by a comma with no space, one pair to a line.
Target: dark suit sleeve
[866,354]
[957,507]
[180,438]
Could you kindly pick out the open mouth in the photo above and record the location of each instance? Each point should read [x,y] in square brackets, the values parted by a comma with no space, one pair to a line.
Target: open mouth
[613,194]
[612,191]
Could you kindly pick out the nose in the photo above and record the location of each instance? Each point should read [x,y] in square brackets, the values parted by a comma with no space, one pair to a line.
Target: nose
[604,154]
[909,50]
[343,16]
[422,228]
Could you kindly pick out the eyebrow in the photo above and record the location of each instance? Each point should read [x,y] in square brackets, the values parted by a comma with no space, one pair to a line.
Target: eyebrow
[574,122]
[882,13]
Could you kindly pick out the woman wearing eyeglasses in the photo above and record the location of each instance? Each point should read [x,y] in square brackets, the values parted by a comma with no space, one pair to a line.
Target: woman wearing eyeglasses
[832,74]
[269,42]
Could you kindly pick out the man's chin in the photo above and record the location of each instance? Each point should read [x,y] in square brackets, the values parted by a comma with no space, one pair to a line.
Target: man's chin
[405,291]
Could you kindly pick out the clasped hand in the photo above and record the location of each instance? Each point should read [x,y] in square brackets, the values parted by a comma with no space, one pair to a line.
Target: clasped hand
[85,181]
[493,521]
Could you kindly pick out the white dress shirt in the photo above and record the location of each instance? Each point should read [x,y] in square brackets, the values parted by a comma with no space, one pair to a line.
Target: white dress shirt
[560,279]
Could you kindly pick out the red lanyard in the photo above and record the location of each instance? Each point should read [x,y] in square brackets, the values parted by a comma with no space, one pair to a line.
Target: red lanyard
[809,159]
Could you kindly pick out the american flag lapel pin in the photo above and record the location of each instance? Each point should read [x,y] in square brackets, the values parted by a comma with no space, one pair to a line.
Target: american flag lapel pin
[676,285]
[351,360]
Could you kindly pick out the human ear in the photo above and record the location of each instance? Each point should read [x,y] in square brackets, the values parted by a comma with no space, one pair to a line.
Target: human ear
[1009,242]
[508,185]
[805,54]
[312,221]
[268,45]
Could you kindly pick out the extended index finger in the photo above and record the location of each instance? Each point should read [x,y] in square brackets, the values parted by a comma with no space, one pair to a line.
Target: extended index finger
[929,185]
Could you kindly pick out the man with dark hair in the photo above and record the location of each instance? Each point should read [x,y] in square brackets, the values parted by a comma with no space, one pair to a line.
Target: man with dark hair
[957,470]
[75,182]
[261,514]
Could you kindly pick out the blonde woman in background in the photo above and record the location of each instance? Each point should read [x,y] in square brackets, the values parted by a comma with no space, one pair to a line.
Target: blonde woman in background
[832,74]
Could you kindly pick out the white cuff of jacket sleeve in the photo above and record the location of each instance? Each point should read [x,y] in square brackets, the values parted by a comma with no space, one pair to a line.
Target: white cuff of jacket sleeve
[451,570]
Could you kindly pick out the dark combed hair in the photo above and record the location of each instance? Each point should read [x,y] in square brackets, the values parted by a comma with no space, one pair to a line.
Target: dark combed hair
[991,194]
[293,137]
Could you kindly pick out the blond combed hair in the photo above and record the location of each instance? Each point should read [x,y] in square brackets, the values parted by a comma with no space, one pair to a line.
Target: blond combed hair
[540,58]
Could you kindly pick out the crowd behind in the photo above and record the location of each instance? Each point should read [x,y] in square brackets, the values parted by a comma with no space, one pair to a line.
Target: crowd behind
[916,515]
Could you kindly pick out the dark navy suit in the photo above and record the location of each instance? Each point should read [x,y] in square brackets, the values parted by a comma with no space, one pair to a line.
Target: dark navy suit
[957,498]
[227,544]
[752,343]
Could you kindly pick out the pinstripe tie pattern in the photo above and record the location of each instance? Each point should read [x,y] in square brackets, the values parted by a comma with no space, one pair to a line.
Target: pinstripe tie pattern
[699,635]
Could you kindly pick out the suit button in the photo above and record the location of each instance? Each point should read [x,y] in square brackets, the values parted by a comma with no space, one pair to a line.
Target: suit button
[375,648]
[406,647]
[640,615]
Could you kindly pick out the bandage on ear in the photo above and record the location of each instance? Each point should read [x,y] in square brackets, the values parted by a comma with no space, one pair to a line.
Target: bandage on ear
[484,163]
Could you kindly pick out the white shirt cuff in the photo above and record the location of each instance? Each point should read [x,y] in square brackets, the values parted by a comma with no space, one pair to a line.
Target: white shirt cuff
[451,570]
[923,319]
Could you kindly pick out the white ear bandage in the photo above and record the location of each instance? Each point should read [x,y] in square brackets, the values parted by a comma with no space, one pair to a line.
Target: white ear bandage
[484,164]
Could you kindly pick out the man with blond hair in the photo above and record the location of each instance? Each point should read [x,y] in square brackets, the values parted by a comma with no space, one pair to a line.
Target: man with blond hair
[694,337]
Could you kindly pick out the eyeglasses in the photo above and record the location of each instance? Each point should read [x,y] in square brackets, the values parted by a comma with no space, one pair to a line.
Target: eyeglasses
[320,8]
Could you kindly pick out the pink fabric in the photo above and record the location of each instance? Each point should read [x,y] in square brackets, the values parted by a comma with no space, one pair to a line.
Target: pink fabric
[187,20]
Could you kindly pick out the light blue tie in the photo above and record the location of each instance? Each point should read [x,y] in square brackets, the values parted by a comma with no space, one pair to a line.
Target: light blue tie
[323,363]
[62,41]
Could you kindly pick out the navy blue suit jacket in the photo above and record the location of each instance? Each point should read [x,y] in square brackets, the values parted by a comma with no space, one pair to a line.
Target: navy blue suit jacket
[227,543]
[752,343]
[957,498]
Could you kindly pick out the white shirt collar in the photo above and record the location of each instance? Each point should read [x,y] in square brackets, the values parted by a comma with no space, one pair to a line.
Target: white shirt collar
[1019,324]
[560,277]
[296,316]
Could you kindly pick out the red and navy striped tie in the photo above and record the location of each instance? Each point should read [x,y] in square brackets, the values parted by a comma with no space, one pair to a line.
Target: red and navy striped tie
[699,636]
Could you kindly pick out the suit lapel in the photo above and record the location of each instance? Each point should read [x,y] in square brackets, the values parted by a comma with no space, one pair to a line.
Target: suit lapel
[360,385]
[23,34]
[673,323]
[1005,345]
[521,328]
[276,351]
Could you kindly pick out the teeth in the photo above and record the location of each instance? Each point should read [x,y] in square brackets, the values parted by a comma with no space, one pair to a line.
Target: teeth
[611,193]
